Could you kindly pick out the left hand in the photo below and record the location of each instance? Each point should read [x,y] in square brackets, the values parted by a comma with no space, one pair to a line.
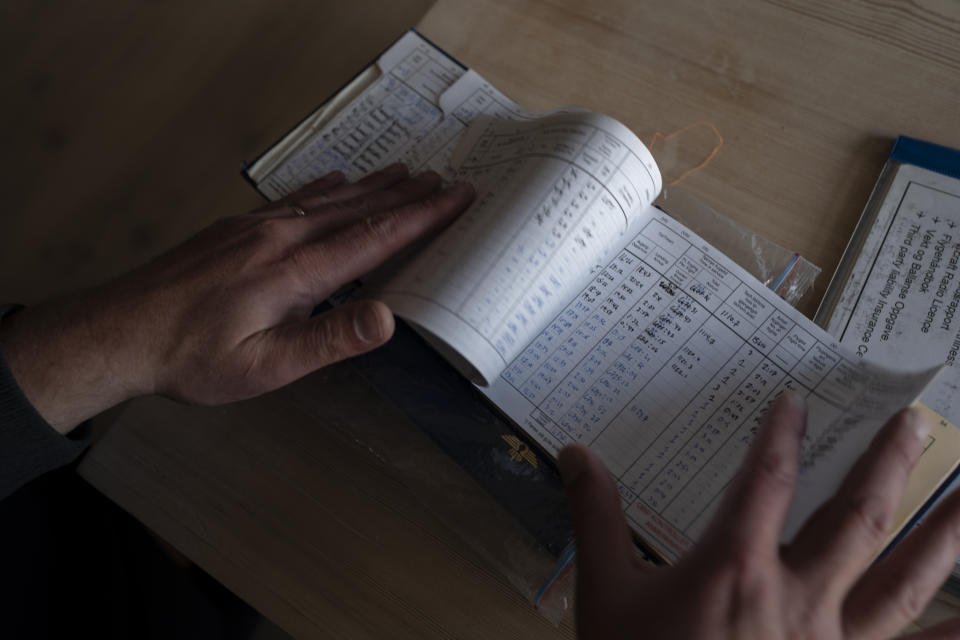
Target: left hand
[226,315]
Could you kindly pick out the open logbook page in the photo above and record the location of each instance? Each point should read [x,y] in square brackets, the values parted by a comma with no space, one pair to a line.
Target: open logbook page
[665,363]
[554,195]
[590,316]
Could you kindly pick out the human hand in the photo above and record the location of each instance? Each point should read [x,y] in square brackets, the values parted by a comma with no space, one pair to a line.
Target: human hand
[738,581]
[226,315]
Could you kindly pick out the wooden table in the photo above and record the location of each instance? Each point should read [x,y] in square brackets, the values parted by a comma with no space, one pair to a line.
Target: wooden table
[283,498]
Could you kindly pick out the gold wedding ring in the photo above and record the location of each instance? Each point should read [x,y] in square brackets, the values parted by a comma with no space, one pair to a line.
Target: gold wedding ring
[297,209]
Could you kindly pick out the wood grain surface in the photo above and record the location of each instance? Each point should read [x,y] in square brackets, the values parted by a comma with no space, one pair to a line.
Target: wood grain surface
[334,522]
[808,96]
[126,123]
[125,127]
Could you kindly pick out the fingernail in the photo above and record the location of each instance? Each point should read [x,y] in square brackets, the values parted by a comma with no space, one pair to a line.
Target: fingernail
[336,174]
[794,400]
[571,462]
[428,176]
[395,168]
[919,423]
[462,188]
[367,324]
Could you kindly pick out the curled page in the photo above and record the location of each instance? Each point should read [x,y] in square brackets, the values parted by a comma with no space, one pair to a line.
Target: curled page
[554,194]
[902,299]
[664,364]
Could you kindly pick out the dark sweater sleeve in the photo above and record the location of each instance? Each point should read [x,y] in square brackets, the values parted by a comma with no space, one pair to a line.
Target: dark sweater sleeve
[29,446]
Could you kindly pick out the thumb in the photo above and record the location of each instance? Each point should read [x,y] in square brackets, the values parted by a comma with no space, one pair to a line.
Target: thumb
[350,329]
[604,548]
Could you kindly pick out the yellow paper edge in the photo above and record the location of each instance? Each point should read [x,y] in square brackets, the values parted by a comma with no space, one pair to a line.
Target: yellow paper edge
[940,457]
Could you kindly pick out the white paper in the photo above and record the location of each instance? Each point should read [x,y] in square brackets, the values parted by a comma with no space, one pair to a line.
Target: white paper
[415,113]
[597,318]
[554,194]
[901,303]
[664,363]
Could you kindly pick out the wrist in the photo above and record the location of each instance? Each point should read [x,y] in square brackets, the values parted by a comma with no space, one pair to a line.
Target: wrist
[69,359]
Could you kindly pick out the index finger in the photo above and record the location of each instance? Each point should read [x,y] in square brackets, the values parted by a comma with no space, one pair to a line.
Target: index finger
[357,249]
[331,188]
[316,195]
[756,504]
[844,535]
[604,548]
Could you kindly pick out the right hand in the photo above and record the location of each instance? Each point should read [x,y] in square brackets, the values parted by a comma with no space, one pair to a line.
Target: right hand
[739,581]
